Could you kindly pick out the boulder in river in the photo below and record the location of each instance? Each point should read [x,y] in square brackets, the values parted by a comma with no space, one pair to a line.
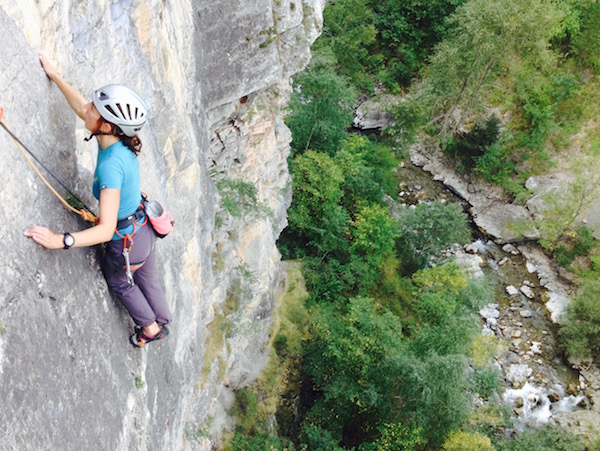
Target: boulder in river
[517,374]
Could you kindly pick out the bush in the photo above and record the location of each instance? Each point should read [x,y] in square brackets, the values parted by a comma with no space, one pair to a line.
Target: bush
[395,437]
[469,147]
[426,230]
[314,438]
[546,438]
[245,410]
[486,380]
[258,442]
[467,441]
[581,333]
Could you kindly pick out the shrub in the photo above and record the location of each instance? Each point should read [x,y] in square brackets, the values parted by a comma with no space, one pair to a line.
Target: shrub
[467,441]
[581,333]
[318,439]
[485,380]
[426,230]
[245,410]
[469,147]
[258,442]
[581,243]
[546,438]
[396,436]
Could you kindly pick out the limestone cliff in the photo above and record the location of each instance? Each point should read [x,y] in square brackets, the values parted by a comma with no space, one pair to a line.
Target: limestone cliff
[216,76]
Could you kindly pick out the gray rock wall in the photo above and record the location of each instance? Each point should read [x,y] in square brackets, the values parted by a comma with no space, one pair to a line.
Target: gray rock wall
[215,74]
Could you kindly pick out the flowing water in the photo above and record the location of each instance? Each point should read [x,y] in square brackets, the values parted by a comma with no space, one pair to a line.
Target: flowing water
[538,382]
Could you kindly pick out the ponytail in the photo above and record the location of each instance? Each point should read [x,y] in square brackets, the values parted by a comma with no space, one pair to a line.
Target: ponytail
[133,143]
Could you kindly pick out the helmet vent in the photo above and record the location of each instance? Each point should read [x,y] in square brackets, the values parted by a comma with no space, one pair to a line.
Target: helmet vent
[111,111]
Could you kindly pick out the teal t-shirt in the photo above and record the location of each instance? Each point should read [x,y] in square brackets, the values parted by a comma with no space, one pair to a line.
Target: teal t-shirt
[118,167]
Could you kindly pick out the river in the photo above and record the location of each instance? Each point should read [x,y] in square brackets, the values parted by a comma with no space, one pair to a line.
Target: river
[539,385]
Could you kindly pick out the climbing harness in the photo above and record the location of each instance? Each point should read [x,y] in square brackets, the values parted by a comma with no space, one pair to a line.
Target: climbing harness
[159,220]
[84,212]
[128,240]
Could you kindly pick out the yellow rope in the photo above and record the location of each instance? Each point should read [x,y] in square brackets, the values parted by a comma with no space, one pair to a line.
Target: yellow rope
[86,215]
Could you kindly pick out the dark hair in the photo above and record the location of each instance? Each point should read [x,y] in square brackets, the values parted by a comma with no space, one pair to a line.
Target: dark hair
[132,142]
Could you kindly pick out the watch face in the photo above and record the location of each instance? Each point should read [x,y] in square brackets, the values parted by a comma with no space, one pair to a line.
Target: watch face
[69,240]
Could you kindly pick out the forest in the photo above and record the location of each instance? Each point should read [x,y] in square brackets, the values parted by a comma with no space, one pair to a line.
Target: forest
[382,350]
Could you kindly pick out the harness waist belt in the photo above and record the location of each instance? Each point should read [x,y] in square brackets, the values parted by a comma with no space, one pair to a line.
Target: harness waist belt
[126,222]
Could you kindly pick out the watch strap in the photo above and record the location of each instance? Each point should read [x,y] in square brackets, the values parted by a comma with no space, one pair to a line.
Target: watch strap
[68,240]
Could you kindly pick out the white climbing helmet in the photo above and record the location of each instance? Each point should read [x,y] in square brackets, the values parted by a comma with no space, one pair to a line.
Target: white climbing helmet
[121,106]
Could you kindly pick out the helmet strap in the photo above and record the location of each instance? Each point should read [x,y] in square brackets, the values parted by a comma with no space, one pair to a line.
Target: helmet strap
[91,136]
[115,131]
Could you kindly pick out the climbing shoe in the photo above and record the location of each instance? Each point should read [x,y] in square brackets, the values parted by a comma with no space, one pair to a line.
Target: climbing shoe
[139,339]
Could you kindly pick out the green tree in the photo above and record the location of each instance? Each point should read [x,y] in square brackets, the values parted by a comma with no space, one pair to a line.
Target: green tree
[369,171]
[348,29]
[349,359]
[408,31]
[434,390]
[426,230]
[585,33]
[315,217]
[484,34]
[374,232]
[321,106]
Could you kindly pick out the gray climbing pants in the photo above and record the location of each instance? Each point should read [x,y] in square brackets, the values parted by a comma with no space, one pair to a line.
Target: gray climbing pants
[145,300]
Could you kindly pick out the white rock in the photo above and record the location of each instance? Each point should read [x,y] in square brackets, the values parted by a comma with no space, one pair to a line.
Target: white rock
[518,373]
[512,291]
[487,332]
[525,313]
[527,291]
[487,313]
[531,268]
[472,248]
[510,249]
[503,261]
[536,347]
[516,333]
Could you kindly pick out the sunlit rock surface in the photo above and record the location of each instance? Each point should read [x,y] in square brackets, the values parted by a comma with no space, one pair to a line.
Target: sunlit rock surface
[216,77]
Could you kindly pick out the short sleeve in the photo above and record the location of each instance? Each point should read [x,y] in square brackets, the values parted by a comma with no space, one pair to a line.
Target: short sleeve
[110,174]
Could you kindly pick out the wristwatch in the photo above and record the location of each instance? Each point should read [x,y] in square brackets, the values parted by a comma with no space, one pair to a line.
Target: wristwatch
[68,240]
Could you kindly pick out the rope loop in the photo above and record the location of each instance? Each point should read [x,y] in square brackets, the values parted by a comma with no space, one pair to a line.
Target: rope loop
[85,214]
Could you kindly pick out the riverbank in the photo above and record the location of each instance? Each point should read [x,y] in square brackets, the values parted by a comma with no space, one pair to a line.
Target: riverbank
[540,385]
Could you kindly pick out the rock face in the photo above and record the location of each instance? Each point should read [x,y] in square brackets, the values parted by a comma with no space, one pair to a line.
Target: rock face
[215,75]
[496,216]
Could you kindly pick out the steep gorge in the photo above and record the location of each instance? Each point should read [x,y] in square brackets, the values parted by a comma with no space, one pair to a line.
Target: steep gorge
[216,77]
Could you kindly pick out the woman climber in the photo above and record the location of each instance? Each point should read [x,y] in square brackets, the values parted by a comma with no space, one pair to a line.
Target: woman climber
[114,116]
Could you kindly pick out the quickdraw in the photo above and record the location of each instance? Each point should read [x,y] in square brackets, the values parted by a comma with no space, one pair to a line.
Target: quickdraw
[84,212]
